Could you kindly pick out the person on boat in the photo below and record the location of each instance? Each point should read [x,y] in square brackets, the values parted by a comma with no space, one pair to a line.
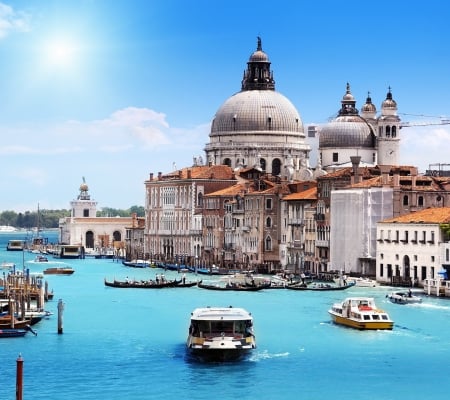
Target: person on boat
[184,278]
[303,277]
[157,279]
[409,293]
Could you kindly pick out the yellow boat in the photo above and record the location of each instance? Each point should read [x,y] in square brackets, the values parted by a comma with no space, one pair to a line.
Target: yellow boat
[360,313]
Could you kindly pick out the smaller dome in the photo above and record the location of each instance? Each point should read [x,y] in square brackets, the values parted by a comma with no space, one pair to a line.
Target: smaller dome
[347,132]
[389,103]
[84,187]
[259,56]
[368,107]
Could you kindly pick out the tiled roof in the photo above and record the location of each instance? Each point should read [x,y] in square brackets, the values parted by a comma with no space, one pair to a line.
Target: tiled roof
[200,172]
[309,194]
[229,191]
[434,215]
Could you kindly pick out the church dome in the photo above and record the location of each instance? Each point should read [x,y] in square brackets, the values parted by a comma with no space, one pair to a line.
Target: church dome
[257,110]
[347,131]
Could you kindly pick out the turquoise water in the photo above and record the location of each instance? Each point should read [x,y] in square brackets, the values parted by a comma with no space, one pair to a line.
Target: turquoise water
[129,344]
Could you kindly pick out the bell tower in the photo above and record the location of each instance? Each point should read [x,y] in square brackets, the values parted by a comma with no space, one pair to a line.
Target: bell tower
[388,132]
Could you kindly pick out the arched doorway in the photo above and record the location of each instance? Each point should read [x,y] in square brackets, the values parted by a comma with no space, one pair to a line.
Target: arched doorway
[89,239]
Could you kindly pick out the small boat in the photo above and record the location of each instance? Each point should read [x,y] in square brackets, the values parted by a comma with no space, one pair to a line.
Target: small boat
[359,282]
[15,245]
[149,284]
[360,313]
[137,263]
[15,332]
[404,297]
[220,334]
[320,286]
[235,287]
[59,271]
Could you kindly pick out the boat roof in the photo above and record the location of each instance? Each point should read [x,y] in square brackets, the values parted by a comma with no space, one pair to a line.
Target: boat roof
[220,313]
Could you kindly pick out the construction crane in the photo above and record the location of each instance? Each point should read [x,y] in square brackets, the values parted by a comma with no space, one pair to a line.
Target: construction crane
[437,120]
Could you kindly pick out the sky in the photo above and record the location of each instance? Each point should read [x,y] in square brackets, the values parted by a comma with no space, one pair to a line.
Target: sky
[111,91]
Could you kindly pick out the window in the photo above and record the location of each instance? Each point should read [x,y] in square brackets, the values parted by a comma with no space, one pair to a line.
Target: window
[268,244]
[268,222]
[420,201]
[405,200]
[86,212]
[335,157]
[268,204]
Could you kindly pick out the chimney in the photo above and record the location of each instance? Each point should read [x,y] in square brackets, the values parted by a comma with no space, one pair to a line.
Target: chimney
[385,169]
[159,175]
[189,174]
[355,165]
[413,177]
[151,176]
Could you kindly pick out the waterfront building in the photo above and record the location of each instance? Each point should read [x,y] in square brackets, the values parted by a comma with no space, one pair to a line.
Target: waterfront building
[413,247]
[134,239]
[174,204]
[95,234]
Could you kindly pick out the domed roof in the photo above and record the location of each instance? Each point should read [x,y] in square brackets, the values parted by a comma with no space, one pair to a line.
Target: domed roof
[257,110]
[347,131]
[389,103]
[368,106]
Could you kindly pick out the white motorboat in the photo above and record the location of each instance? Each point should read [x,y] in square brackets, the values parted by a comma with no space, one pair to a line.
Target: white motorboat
[405,297]
[360,313]
[359,282]
[220,333]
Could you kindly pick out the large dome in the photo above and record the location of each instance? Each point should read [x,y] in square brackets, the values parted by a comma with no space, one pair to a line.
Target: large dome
[347,131]
[257,111]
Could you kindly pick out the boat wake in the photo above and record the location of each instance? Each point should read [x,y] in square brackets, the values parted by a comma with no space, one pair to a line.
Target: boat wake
[433,306]
[265,355]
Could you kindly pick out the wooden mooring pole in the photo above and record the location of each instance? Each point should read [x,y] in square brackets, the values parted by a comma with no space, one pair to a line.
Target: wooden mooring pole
[60,316]
[19,378]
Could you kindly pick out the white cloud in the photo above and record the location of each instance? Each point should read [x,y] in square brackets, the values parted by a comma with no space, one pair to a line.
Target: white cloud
[12,21]
[424,145]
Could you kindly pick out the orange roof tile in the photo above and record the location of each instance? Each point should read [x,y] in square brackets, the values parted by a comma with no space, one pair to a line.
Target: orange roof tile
[434,215]
[308,194]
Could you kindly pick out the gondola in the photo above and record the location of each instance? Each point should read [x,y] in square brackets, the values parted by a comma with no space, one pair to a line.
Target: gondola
[143,284]
[236,287]
[318,286]
[188,284]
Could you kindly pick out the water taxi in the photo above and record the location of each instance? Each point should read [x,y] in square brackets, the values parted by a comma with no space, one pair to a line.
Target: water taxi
[220,334]
[15,245]
[404,297]
[360,313]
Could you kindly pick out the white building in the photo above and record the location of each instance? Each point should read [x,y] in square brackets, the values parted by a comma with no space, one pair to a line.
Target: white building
[413,247]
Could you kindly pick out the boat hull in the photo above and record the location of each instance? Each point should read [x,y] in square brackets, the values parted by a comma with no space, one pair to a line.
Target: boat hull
[362,325]
[220,349]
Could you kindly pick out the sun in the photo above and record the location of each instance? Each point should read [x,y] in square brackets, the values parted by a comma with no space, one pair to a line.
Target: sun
[61,52]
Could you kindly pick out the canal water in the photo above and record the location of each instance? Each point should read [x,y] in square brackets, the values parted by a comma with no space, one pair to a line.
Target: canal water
[130,344]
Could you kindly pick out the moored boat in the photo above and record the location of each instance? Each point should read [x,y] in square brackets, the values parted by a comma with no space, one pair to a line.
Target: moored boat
[235,287]
[404,297]
[58,271]
[320,286]
[220,334]
[360,313]
[15,245]
[147,284]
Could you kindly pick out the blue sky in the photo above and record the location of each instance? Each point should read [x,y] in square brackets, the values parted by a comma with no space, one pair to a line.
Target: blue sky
[114,90]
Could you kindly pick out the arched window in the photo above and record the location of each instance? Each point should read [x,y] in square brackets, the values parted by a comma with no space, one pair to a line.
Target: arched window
[268,244]
[405,200]
[268,222]
[227,161]
[200,199]
[394,131]
[276,166]
[117,236]
[388,131]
